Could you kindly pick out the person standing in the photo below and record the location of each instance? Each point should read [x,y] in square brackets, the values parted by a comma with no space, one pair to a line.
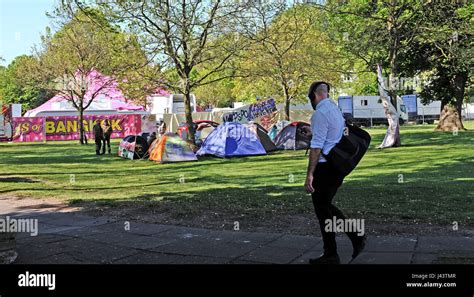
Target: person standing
[98,135]
[323,180]
[107,130]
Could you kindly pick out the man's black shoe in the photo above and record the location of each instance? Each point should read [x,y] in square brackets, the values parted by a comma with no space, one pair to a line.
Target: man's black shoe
[359,246]
[324,259]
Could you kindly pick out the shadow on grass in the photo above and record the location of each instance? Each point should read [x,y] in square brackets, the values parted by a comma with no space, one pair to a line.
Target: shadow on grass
[381,196]
[16,180]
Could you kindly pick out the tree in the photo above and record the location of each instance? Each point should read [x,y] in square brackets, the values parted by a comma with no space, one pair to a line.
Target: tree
[376,32]
[443,51]
[14,88]
[68,62]
[289,50]
[218,94]
[181,36]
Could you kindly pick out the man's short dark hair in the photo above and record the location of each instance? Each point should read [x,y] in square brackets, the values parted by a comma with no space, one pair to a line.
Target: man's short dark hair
[314,86]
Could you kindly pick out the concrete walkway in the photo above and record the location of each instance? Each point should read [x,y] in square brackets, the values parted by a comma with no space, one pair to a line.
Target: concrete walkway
[74,238]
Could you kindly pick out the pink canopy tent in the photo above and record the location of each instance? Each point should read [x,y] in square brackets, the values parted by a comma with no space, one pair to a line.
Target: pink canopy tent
[109,98]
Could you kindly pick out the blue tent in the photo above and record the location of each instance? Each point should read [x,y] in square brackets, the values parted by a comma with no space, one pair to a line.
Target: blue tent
[231,140]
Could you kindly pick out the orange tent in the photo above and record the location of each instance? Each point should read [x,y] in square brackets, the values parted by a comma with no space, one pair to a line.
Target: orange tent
[170,148]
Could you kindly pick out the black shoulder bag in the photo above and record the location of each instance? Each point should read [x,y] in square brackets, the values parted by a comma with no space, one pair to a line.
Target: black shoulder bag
[347,153]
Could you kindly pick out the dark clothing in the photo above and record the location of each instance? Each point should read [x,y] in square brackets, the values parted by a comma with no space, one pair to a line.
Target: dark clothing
[98,145]
[98,132]
[106,142]
[98,135]
[107,130]
[326,183]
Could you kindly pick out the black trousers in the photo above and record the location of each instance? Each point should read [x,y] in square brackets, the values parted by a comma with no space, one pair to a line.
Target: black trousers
[98,144]
[326,183]
[106,141]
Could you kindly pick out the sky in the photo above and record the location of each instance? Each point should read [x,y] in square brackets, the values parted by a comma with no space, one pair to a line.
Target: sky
[21,24]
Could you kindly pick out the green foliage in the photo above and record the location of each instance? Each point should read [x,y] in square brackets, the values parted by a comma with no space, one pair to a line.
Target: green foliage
[292,51]
[443,52]
[374,32]
[218,94]
[14,88]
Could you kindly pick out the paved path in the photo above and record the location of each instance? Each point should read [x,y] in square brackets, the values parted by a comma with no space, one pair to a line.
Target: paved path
[74,238]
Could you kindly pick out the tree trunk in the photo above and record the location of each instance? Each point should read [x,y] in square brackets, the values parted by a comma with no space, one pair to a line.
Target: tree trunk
[188,114]
[460,80]
[287,105]
[287,109]
[81,126]
[392,136]
[449,120]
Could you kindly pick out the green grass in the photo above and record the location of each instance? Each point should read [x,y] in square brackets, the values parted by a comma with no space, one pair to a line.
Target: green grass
[437,170]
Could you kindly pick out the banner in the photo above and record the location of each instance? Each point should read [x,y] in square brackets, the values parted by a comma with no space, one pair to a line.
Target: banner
[28,129]
[67,128]
[251,112]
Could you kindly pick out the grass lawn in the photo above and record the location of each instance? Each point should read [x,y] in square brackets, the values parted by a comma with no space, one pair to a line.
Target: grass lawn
[429,180]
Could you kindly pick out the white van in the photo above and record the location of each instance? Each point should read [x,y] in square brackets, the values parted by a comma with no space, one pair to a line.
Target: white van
[419,112]
[368,110]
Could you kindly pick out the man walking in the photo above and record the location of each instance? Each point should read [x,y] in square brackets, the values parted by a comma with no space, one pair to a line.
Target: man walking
[98,135]
[322,180]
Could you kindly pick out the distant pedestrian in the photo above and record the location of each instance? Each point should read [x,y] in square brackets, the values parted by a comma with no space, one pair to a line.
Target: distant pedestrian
[107,130]
[98,135]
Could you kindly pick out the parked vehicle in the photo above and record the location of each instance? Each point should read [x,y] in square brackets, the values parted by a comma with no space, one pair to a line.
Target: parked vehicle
[368,110]
[419,112]
[468,111]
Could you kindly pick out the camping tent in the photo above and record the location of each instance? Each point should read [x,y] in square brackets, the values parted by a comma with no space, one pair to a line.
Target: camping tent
[262,135]
[293,137]
[133,147]
[230,140]
[276,128]
[171,148]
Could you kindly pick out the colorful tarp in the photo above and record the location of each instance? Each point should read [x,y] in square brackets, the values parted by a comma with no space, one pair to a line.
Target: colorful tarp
[171,148]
